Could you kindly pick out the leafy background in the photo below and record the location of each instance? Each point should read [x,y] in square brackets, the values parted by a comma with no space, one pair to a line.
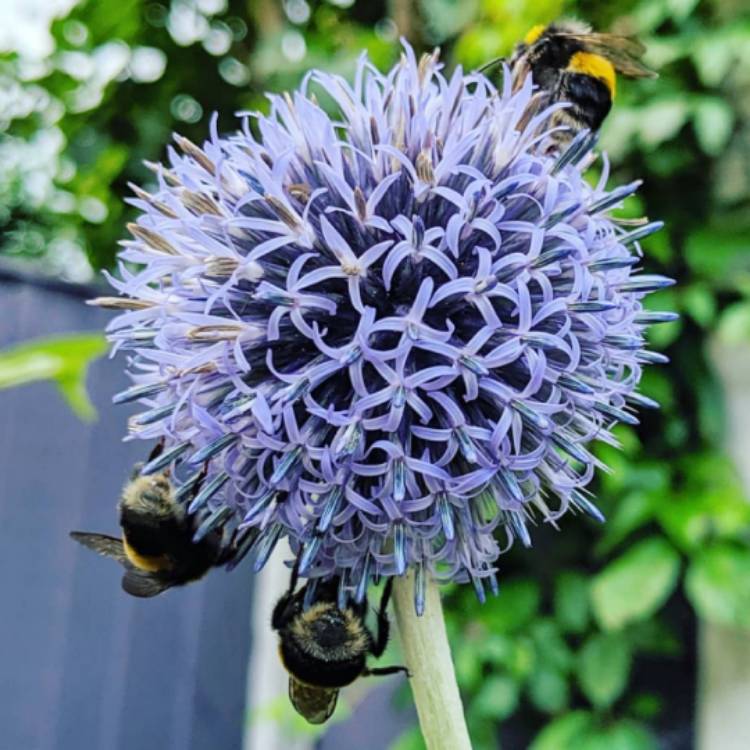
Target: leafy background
[569,654]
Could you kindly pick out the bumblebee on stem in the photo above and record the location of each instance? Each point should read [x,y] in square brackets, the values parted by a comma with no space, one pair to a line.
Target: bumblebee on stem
[571,63]
[162,544]
[324,646]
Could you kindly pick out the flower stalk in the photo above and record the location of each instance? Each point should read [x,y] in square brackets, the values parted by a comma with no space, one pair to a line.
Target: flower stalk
[427,654]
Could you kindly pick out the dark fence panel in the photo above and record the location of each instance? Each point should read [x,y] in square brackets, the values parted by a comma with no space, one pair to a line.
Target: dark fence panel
[82,665]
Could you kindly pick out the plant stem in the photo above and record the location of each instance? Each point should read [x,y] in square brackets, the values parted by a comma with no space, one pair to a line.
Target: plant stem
[428,658]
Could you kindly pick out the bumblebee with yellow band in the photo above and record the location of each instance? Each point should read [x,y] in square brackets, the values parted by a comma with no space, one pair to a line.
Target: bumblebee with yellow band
[163,545]
[570,63]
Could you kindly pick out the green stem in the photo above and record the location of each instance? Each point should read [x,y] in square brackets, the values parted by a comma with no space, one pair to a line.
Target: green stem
[428,658]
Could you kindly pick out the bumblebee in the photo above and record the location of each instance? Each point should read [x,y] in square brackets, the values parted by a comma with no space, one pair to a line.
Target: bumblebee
[162,545]
[324,647]
[571,63]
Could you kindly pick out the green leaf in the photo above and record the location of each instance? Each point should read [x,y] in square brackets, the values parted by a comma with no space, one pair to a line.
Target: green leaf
[497,698]
[63,359]
[717,253]
[551,648]
[734,326]
[565,733]
[548,690]
[636,584]
[571,601]
[654,637]
[713,119]
[411,739]
[718,584]
[711,502]
[646,705]
[445,18]
[603,668]
[631,512]
[700,303]
[468,663]
[514,608]
[662,120]
[681,9]
[623,735]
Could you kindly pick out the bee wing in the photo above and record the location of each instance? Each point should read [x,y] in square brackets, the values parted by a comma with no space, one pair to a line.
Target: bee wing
[316,704]
[624,52]
[142,585]
[109,546]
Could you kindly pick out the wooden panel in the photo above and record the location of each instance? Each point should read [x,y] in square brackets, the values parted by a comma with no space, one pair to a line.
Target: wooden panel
[84,665]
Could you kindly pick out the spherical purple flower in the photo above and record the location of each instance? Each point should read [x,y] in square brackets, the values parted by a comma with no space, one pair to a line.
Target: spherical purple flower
[390,333]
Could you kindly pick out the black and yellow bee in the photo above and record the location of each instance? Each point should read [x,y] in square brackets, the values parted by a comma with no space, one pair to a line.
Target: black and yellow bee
[162,544]
[325,647]
[571,63]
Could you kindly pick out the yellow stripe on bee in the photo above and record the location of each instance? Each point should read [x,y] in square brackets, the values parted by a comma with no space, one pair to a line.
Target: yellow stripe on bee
[534,33]
[151,564]
[596,66]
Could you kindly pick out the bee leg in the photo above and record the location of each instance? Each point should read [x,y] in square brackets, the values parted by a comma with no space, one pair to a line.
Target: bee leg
[381,639]
[239,544]
[284,609]
[381,671]
[196,488]
[294,577]
[157,450]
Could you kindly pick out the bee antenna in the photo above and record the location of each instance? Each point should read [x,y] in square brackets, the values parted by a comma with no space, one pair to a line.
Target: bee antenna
[295,573]
[490,64]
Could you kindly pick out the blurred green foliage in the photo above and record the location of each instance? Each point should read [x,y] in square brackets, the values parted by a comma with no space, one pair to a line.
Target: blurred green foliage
[62,359]
[580,613]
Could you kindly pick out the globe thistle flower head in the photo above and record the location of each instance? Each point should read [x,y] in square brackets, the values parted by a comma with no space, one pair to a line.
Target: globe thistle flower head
[389,334]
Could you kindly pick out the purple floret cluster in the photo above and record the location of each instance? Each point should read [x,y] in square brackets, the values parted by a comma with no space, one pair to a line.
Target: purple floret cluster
[384,323]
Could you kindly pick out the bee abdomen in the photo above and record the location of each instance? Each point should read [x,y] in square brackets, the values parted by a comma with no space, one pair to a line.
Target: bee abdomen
[590,99]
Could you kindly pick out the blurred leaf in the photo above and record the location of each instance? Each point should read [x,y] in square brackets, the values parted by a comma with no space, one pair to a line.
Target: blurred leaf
[713,119]
[62,359]
[710,413]
[646,705]
[445,18]
[631,512]
[636,584]
[515,606]
[623,735]
[718,585]
[713,57]
[734,327]
[603,667]
[571,601]
[551,648]
[579,731]
[657,384]
[705,506]
[719,253]
[548,690]
[653,637]
[681,9]
[468,662]
[497,698]
[411,739]
[565,733]
[699,302]
[661,120]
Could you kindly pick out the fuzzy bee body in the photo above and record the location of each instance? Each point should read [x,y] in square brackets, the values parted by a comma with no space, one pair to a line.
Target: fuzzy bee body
[570,63]
[157,549]
[325,647]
